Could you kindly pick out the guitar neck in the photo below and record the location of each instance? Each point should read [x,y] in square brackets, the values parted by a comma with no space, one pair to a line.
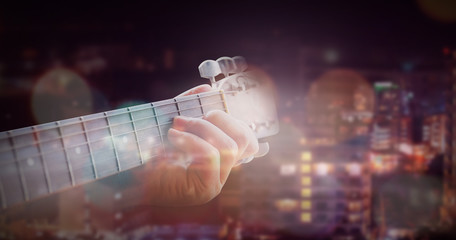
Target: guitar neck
[39,160]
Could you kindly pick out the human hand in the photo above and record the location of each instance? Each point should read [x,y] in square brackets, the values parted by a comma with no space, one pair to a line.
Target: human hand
[203,152]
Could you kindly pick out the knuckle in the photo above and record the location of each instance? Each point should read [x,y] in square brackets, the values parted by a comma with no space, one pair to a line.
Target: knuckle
[196,125]
[231,149]
[242,140]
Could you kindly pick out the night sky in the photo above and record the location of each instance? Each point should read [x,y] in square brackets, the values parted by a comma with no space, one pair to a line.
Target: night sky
[400,26]
[387,35]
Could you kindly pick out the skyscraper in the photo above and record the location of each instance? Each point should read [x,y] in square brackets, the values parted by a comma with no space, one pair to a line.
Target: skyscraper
[319,184]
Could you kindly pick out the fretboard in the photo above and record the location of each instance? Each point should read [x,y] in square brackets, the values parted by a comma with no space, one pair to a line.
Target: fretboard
[42,159]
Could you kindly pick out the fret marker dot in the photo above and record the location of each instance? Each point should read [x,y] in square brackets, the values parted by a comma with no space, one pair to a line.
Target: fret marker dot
[30,161]
[124,139]
[77,150]
[150,140]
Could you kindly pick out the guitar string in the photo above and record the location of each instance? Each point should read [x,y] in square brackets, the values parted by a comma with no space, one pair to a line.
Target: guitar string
[146,106]
[137,140]
[111,126]
[84,143]
[112,146]
[87,166]
[81,177]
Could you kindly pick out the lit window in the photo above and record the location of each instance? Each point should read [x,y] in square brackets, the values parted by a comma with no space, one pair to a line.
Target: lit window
[354,169]
[322,169]
[306,192]
[306,156]
[306,205]
[286,205]
[306,217]
[287,169]
[354,206]
[305,168]
[354,218]
[306,181]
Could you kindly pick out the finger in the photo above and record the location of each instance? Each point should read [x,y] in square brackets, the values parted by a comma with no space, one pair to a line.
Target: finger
[204,169]
[226,146]
[237,130]
[196,90]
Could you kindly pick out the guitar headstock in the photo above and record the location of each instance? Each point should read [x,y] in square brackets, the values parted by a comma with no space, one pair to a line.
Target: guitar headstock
[249,94]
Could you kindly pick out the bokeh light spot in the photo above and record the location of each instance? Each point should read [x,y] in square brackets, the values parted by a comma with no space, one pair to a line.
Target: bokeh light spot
[59,94]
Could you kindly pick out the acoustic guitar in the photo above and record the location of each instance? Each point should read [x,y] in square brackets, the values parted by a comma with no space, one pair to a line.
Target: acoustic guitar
[43,159]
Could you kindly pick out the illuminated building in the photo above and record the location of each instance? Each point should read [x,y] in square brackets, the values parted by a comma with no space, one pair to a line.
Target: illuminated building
[405,130]
[434,128]
[448,210]
[386,132]
[317,182]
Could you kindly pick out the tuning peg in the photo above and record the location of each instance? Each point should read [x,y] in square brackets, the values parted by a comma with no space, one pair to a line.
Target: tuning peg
[209,69]
[240,63]
[226,65]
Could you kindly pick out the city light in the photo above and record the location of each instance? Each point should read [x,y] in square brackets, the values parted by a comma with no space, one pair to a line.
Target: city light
[406,148]
[306,156]
[322,169]
[286,205]
[305,168]
[306,217]
[306,181]
[306,205]
[287,169]
[306,192]
[354,169]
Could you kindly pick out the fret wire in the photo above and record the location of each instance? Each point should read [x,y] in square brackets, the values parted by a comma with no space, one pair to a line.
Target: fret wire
[136,110]
[80,144]
[98,140]
[110,159]
[21,174]
[113,144]
[70,169]
[2,194]
[46,172]
[100,128]
[85,155]
[177,107]
[200,103]
[136,135]
[80,168]
[224,102]
[159,129]
[92,159]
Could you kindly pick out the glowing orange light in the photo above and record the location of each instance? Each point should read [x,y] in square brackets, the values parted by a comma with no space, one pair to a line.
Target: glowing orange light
[306,156]
[306,217]
[306,192]
[306,205]
[305,168]
[306,181]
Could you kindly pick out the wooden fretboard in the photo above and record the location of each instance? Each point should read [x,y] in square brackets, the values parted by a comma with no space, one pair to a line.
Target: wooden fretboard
[39,160]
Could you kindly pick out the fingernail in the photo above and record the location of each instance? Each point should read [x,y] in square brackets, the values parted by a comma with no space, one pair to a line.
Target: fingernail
[173,132]
[180,122]
[174,136]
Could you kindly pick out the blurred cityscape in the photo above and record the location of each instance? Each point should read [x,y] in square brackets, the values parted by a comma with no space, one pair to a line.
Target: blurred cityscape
[367,146]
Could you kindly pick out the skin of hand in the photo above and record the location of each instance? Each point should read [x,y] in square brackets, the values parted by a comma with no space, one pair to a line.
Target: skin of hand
[200,158]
